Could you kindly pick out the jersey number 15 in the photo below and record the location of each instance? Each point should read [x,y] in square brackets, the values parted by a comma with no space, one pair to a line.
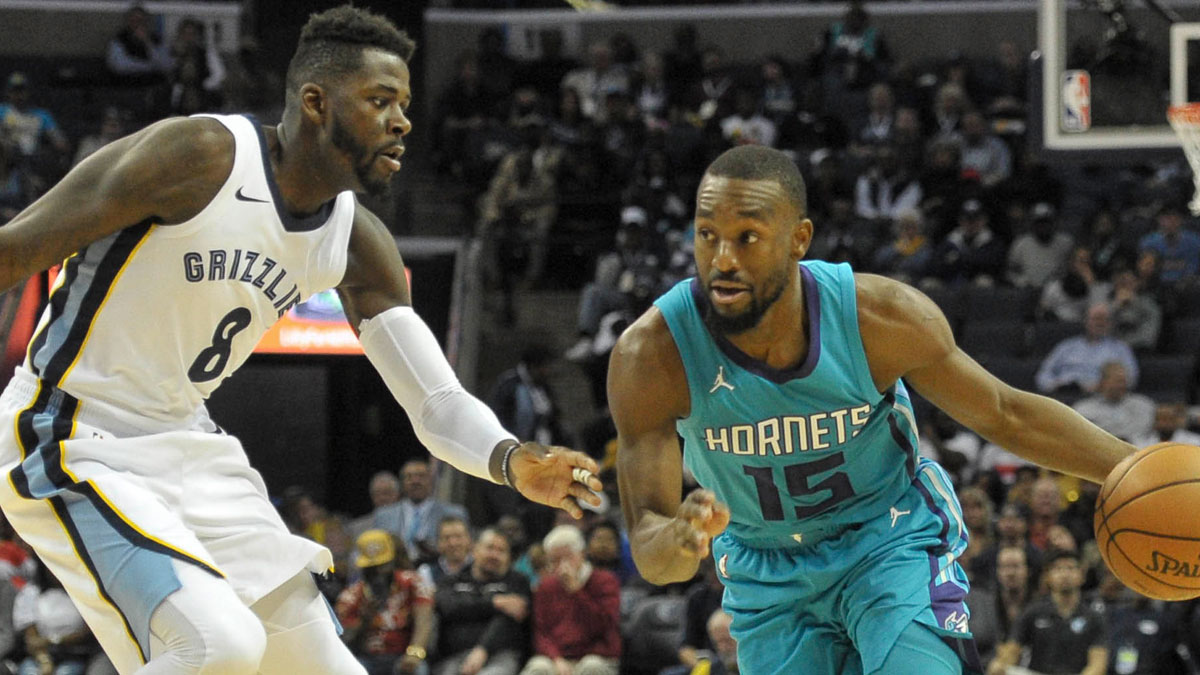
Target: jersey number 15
[796,476]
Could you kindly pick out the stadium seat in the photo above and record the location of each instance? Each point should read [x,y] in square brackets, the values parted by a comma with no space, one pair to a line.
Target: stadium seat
[1017,371]
[950,301]
[1015,304]
[654,634]
[1182,337]
[1046,334]
[1166,378]
[1002,337]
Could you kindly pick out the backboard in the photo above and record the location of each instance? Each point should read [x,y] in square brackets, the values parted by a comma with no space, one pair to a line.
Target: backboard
[1109,69]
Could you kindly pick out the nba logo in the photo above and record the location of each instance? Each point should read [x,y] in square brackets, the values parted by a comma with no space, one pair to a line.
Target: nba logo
[1076,100]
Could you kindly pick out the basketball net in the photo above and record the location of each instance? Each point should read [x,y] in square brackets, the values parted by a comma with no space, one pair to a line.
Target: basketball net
[1185,119]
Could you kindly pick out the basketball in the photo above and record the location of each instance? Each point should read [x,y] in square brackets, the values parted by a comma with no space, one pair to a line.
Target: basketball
[1146,524]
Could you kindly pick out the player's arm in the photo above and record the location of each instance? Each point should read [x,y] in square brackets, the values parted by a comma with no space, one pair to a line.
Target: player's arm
[166,173]
[453,424]
[647,392]
[906,335]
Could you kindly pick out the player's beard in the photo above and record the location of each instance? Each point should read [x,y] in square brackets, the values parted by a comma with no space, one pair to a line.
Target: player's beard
[735,324]
[362,159]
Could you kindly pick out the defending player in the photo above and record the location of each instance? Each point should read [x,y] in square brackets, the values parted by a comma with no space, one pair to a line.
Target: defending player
[186,241]
[837,544]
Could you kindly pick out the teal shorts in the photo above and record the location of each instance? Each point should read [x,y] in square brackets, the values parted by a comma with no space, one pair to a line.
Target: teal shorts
[842,602]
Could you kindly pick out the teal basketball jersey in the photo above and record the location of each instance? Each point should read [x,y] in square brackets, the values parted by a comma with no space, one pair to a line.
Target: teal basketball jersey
[799,453]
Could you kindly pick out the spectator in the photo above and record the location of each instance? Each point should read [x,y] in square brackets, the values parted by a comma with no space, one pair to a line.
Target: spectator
[1045,507]
[18,187]
[1136,316]
[747,125]
[1178,249]
[1109,244]
[138,54]
[1041,254]
[977,516]
[683,62]
[523,401]
[547,70]
[950,105]
[1074,364]
[454,551]
[251,85]
[998,602]
[606,550]
[853,54]
[497,70]
[518,210]
[387,614]
[907,256]
[1170,426]
[723,658]
[971,253]
[1061,633]
[714,92]
[1012,530]
[57,641]
[983,153]
[306,517]
[416,517]
[650,91]
[1143,634]
[1114,409]
[199,72]
[31,128]
[1068,297]
[876,127]
[595,81]
[943,186]
[522,554]
[886,189]
[703,598]
[778,96]
[113,123]
[462,108]
[484,611]
[384,490]
[577,609]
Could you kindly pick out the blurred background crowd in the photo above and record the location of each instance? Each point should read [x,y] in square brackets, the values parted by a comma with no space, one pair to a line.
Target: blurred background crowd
[576,173]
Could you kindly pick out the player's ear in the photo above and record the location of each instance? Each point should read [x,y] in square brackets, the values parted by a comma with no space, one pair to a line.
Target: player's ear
[801,238]
[314,102]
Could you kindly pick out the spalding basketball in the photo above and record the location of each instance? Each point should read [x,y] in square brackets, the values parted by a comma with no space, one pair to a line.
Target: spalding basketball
[1147,524]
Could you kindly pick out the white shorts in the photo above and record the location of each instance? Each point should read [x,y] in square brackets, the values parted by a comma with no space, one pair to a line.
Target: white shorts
[108,499]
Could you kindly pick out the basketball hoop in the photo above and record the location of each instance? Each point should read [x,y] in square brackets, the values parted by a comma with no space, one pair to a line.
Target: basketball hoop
[1185,119]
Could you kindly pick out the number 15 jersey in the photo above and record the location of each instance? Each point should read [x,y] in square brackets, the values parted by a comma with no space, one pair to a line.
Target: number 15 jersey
[810,449]
[153,318]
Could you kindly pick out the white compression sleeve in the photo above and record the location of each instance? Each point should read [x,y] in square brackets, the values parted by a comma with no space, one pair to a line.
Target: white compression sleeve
[456,427]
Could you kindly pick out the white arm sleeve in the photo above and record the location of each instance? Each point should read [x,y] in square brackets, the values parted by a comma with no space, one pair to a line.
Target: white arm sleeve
[456,427]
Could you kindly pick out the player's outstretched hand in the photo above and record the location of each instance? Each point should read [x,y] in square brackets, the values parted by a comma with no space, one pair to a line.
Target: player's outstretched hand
[700,518]
[555,476]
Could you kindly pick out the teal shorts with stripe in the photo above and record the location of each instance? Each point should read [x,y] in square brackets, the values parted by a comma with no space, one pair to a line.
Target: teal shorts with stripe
[839,602]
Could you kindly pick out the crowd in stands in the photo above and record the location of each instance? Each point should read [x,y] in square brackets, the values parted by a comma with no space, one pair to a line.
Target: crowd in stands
[1081,283]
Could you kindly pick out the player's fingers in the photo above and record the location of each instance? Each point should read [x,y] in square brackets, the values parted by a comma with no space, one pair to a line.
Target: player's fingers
[587,478]
[581,493]
[569,505]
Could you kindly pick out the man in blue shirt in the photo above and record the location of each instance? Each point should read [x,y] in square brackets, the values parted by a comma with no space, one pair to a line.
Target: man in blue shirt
[1178,249]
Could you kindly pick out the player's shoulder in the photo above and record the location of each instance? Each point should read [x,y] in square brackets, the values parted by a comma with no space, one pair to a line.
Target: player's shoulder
[890,302]
[201,150]
[647,340]
[646,365]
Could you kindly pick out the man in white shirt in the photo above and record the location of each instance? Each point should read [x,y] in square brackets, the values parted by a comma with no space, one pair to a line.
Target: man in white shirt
[1116,410]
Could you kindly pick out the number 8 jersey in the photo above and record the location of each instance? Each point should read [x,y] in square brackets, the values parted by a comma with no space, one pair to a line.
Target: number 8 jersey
[815,448]
[152,318]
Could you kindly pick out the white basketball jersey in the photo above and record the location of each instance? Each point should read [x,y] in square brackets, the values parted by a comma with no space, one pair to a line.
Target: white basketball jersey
[152,318]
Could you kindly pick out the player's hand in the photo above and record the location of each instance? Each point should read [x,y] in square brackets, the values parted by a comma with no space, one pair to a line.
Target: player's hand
[555,476]
[700,518]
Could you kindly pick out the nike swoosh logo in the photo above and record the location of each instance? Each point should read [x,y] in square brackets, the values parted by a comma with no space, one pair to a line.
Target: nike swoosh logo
[244,198]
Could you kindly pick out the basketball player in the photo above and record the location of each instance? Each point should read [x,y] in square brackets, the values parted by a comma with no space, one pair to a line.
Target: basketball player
[835,541]
[186,241]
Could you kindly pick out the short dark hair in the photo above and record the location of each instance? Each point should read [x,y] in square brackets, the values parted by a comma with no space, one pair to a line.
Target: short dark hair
[332,42]
[1059,554]
[757,162]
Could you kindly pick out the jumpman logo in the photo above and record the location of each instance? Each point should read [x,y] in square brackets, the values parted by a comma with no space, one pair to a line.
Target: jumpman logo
[720,382]
[896,513]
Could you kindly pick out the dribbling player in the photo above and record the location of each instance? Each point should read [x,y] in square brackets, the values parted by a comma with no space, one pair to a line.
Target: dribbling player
[184,243]
[836,543]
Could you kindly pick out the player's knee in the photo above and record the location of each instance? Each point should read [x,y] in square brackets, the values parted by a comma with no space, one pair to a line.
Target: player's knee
[234,646]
